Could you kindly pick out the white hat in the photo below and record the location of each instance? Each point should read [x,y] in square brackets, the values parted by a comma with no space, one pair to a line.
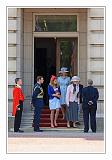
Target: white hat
[63,69]
[75,78]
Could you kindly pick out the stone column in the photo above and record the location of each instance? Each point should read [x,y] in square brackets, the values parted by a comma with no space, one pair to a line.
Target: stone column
[83,45]
[95,52]
[15,49]
[15,53]
[28,58]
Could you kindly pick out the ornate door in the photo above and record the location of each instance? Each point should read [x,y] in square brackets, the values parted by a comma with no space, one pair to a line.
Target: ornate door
[66,55]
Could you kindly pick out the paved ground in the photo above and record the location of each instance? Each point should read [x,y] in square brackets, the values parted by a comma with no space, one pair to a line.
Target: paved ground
[60,140]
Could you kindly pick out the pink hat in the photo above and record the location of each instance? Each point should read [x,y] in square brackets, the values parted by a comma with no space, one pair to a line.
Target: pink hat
[53,78]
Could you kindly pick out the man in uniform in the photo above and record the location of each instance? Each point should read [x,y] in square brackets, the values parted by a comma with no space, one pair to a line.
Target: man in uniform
[18,99]
[90,96]
[37,101]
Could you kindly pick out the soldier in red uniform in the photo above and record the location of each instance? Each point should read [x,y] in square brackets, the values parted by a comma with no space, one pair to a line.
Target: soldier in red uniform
[18,99]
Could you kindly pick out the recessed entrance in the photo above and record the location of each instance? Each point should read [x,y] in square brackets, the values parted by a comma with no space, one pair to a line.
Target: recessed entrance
[50,54]
[44,60]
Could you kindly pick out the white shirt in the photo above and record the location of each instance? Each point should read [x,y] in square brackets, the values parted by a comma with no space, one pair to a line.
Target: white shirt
[70,96]
[18,85]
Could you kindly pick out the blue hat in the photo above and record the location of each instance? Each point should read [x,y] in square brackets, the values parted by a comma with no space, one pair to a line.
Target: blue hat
[63,69]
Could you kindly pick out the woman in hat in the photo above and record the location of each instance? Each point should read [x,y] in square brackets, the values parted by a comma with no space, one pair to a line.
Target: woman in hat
[54,100]
[63,81]
[72,101]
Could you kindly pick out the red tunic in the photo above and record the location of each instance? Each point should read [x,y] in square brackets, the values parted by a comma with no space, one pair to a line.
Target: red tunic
[17,95]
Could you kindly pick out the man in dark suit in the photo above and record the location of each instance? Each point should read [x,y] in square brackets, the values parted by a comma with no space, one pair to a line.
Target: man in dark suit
[90,96]
[37,101]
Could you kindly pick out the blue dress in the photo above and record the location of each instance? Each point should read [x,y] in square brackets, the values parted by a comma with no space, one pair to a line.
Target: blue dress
[54,102]
[63,83]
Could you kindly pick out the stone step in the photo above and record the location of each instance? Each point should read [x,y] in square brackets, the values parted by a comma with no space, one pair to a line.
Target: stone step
[47,125]
[42,115]
[27,119]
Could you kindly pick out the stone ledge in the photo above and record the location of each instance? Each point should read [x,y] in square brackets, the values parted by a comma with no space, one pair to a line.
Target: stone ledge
[100,125]
[10,122]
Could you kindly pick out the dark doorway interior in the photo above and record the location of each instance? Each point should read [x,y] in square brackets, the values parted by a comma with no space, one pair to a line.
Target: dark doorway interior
[40,62]
[44,61]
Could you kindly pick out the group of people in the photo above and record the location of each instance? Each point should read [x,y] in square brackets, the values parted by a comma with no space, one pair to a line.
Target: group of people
[64,93]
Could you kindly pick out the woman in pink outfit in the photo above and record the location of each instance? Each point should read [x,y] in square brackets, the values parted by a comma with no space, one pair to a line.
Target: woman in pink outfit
[72,101]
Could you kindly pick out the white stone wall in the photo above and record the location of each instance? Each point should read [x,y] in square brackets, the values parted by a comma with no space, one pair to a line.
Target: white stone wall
[95,52]
[90,48]
[15,49]
[28,47]
[83,46]
[28,58]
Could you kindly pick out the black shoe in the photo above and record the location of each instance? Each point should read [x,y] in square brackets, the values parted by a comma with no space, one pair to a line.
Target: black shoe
[38,130]
[85,131]
[78,123]
[20,131]
[94,131]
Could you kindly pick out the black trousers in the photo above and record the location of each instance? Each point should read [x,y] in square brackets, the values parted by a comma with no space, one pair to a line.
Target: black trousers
[37,113]
[89,112]
[17,121]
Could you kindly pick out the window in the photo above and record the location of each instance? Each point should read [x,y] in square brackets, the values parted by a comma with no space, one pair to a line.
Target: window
[55,23]
[68,54]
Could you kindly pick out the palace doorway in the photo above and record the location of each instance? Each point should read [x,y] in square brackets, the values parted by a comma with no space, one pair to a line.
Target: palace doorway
[50,54]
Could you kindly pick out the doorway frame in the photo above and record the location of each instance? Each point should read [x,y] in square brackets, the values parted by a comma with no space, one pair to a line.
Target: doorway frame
[68,37]
[55,35]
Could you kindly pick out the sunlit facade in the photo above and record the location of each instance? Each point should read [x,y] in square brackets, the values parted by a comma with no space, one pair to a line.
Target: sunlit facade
[41,40]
